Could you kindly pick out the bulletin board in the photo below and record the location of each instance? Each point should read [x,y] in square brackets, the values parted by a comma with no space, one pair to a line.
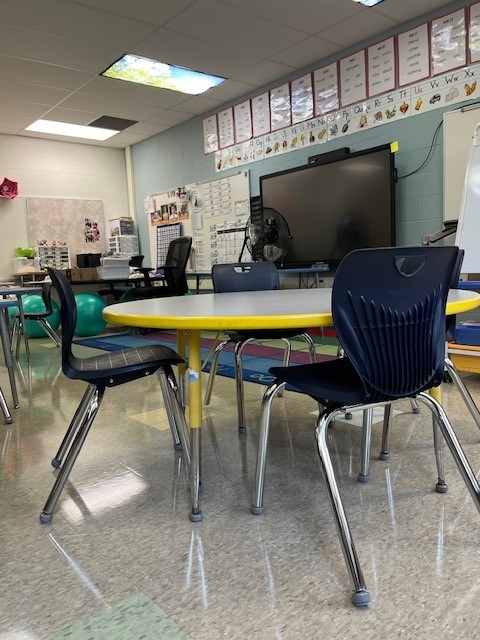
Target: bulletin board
[78,224]
[213,213]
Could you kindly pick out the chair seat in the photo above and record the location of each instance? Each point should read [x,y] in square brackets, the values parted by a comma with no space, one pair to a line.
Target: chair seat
[115,367]
[336,380]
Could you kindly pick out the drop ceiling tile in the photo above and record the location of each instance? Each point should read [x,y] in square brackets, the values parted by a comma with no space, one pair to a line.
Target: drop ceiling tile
[13,123]
[264,72]
[357,29]
[109,106]
[73,116]
[302,53]
[49,75]
[225,25]
[170,117]
[147,128]
[40,47]
[195,53]
[124,139]
[79,23]
[31,93]
[230,90]
[404,10]
[19,108]
[305,15]
[155,12]
[198,104]
[132,92]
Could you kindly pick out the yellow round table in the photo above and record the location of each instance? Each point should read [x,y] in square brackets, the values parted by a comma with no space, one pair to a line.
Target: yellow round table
[281,309]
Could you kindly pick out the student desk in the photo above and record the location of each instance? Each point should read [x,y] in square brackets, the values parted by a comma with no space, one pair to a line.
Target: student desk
[280,309]
[18,292]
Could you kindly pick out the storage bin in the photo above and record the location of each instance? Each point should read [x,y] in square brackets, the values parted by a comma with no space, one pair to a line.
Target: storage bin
[113,273]
[88,260]
[467,333]
[122,227]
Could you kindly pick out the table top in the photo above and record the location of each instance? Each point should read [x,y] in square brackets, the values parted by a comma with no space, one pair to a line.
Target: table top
[20,291]
[282,309]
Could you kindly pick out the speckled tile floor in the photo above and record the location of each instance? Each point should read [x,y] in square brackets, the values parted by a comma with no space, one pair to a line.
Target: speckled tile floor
[122,560]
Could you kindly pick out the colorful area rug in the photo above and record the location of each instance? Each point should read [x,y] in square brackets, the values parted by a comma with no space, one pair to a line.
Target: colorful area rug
[257,358]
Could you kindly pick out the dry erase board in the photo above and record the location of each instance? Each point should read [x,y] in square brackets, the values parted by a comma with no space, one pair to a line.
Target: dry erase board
[458,128]
[213,213]
[468,231]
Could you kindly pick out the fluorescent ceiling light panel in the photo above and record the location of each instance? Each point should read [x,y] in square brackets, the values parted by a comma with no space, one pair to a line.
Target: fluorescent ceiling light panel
[161,75]
[71,130]
[369,3]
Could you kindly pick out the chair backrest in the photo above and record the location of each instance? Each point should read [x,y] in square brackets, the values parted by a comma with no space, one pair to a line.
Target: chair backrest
[176,262]
[135,261]
[388,307]
[68,318]
[245,276]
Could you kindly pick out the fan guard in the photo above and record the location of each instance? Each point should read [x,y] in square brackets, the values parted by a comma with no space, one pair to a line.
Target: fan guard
[267,235]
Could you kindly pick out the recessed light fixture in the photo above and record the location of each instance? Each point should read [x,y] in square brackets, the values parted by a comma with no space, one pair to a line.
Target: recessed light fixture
[369,3]
[71,130]
[161,75]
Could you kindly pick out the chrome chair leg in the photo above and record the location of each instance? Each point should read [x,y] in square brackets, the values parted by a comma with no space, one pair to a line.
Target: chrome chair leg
[387,426]
[286,359]
[441,485]
[414,405]
[74,425]
[6,411]
[360,596]
[258,488]
[467,398]
[213,370]
[89,416]
[49,331]
[454,445]
[175,413]
[195,475]
[364,475]
[237,354]
[311,346]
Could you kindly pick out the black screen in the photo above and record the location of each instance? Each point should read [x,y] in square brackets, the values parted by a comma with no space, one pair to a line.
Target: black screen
[334,208]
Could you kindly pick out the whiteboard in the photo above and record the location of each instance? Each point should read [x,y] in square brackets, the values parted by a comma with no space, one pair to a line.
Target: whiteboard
[214,213]
[458,128]
[468,230]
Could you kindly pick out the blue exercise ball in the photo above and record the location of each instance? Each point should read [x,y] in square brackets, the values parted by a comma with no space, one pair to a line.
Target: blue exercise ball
[34,304]
[89,314]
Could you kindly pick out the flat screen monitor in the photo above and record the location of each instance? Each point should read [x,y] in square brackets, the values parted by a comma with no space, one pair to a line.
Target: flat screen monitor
[335,207]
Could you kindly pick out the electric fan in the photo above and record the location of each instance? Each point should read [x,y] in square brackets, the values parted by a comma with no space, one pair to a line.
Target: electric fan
[267,236]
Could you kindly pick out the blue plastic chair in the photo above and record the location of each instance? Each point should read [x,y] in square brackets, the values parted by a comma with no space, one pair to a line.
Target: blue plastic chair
[100,372]
[389,314]
[249,276]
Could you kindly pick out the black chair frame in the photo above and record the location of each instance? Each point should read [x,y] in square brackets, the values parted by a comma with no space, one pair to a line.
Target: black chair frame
[100,372]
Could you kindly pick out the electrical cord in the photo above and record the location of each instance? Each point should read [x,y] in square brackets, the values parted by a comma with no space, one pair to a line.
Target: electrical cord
[407,175]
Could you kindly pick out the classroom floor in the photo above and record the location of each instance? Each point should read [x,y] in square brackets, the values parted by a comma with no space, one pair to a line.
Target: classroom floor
[122,561]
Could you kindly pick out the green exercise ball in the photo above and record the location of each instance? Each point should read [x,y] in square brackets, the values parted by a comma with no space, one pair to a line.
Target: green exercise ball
[89,314]
[34,304]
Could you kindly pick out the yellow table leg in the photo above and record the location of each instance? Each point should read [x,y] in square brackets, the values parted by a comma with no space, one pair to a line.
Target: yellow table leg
[436,392]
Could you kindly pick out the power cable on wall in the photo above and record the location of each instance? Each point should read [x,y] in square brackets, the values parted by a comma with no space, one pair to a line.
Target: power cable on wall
[430,151]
